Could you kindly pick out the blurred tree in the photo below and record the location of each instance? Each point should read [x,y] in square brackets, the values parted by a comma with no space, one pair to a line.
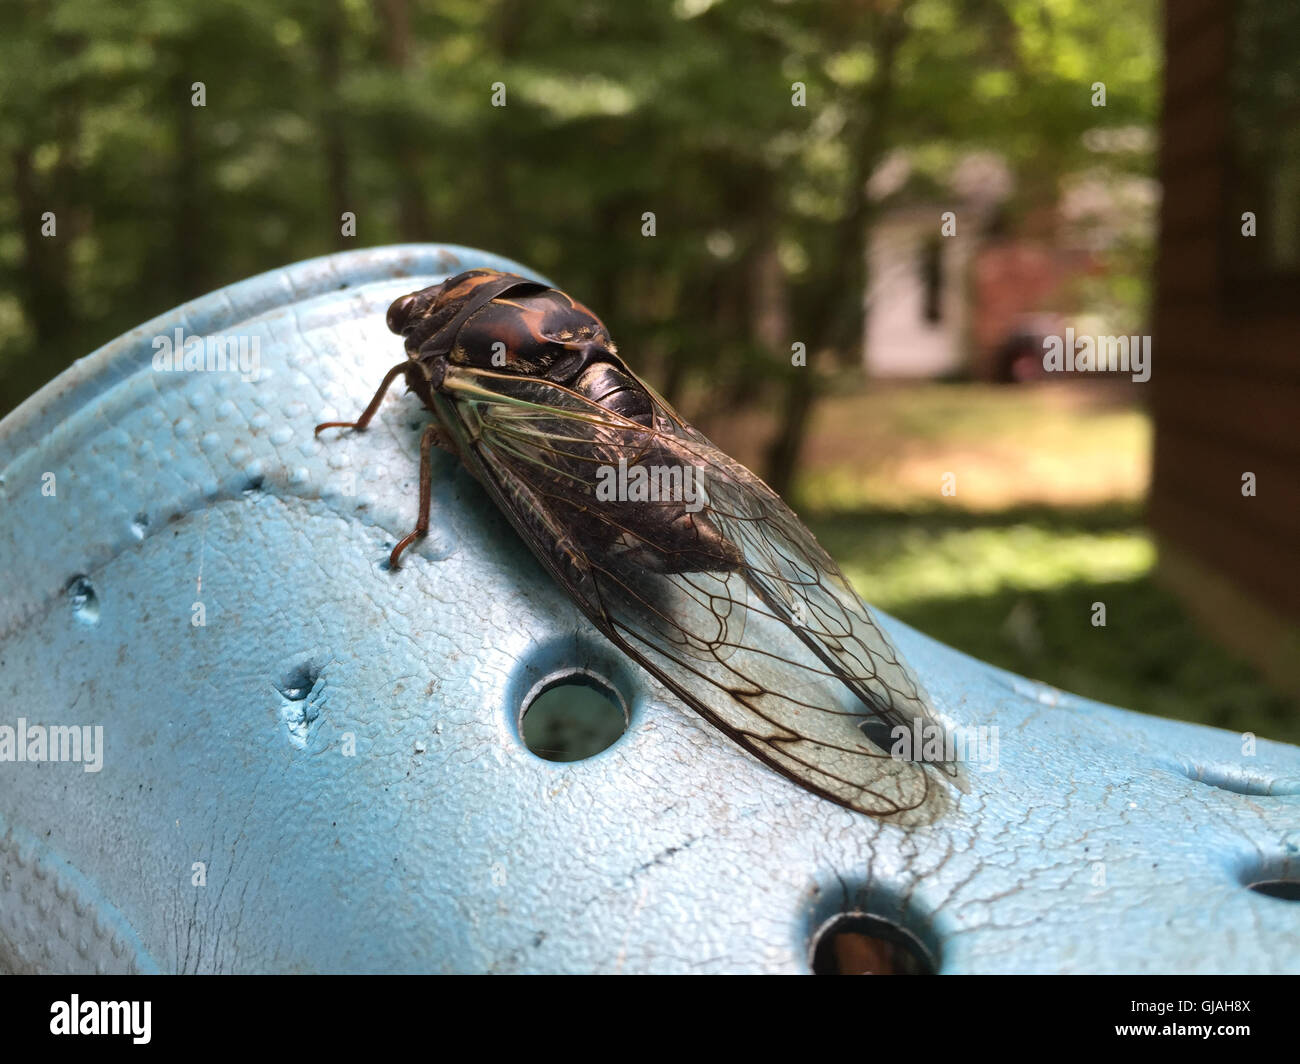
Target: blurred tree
[546,133]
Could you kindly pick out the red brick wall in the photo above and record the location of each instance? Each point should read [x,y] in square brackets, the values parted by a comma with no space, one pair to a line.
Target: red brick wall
[1013,278]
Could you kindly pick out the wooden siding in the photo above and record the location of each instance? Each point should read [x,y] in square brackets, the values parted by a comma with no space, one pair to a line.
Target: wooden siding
[1225,384]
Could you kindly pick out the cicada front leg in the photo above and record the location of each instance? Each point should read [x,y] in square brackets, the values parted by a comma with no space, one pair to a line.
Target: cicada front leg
[433,436]
[370,411]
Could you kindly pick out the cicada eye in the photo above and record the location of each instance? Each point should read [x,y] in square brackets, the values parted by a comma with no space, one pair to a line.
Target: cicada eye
[399,312]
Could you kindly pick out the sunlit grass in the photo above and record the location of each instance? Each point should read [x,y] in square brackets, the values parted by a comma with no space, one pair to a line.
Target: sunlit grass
[927,562]
[1022,594]
[1047,443]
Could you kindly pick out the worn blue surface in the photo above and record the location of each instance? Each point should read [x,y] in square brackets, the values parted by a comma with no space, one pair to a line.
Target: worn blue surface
[1102,841]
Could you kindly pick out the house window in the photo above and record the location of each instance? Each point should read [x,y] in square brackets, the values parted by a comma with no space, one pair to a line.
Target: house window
[932,281]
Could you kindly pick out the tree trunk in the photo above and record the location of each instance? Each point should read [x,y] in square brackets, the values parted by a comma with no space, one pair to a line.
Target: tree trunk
[337,168]
[836,316]
[44,285]
[187,276]
[45,259]
[413,219]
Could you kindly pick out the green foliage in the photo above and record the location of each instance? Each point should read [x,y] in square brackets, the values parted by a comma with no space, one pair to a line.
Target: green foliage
[384,108]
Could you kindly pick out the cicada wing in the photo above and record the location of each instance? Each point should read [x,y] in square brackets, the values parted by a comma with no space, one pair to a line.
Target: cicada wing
[774,697]
[800,585]
[768,641]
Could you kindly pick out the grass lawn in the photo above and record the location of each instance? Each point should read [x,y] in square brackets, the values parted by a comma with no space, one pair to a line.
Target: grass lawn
[1046,520]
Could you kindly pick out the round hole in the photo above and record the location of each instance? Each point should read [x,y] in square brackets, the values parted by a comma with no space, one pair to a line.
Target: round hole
[1273,875]
[879,733]
[85,603]
[1285,889]
[1239,780]
[298,682]
[861,944]
[572,715]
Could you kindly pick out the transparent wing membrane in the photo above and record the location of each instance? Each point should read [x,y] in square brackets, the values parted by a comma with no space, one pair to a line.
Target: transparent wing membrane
[729,600]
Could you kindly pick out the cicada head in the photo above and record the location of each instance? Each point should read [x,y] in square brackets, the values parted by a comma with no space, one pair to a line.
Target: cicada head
[420,316]
[486,319]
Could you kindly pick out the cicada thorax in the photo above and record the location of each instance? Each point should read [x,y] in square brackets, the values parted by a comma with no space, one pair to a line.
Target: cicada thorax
[488,320]
[528,331]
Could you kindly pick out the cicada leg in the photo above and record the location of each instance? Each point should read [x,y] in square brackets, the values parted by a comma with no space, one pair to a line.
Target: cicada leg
[369,411]
[432,437]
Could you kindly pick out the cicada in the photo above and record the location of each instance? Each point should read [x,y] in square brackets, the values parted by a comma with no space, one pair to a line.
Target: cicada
[685,560]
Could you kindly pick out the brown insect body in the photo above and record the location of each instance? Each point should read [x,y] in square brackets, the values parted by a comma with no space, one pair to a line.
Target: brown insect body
[731,603]
[490,320]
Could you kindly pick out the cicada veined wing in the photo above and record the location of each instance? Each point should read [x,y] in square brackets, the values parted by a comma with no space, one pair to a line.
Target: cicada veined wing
[725,597]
